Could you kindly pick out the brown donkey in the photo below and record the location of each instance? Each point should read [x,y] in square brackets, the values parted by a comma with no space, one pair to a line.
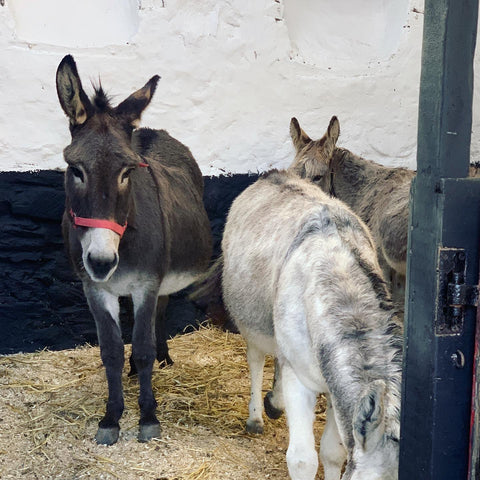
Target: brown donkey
[134,226]
[378,195]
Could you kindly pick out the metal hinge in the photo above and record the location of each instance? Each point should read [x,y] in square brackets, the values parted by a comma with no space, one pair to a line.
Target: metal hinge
[453,294]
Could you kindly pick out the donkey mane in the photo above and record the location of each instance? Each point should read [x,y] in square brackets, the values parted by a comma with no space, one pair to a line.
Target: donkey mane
[100,99]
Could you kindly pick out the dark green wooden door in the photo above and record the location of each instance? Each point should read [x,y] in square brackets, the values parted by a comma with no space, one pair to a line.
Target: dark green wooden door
[444,234]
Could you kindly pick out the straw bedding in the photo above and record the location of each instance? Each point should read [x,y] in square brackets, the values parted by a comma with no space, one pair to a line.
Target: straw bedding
[51,402]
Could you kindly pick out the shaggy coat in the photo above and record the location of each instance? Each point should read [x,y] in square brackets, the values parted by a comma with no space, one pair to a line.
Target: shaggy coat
[379,195]
[301,281]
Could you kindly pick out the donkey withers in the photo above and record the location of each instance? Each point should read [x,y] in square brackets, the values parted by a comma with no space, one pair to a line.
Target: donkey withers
[134,226]
[379,195]
[301,281]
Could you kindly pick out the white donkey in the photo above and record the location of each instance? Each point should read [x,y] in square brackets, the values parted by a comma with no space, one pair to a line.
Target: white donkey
[301,280]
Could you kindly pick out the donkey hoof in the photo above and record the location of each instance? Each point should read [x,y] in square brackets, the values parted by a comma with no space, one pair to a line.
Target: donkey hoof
[107,435]
[164,361]
[272,412]
[149,431]
[254,426]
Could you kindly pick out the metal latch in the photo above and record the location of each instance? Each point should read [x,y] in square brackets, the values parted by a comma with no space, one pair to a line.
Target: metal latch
[454,295]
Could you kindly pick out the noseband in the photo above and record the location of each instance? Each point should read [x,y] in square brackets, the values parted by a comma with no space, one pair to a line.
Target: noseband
[98,222]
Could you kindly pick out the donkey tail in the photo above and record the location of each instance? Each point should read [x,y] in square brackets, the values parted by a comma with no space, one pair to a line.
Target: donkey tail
[207,295]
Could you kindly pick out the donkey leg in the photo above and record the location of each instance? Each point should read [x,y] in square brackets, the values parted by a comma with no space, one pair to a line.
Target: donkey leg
[161,337]
[332,451]
[273,401]
[256,362]
[144,353]
[161,332]
[302,459]
[105,309]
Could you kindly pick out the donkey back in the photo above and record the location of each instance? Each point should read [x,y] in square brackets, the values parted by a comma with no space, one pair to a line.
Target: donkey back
[302,281]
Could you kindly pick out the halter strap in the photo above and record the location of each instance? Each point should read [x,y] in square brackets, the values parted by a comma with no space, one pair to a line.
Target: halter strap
[97,223]
[332,186]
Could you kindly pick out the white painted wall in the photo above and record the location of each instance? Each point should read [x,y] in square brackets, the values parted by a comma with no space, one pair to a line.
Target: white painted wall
[233,74]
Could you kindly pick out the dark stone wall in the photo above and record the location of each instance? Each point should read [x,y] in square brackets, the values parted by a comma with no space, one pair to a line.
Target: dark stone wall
[41,301]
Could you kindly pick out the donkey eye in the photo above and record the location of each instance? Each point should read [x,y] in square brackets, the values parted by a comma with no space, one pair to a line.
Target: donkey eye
[77,173]
[126,175]
[317,178]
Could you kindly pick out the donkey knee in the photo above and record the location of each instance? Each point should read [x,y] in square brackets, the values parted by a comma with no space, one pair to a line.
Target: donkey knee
[142,361]
[302,463]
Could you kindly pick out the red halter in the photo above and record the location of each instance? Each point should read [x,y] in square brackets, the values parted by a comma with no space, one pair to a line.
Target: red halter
[98,222]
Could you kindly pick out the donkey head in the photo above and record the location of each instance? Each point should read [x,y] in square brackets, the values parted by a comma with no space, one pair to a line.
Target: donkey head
[100,160]
[312,157]
[375,453]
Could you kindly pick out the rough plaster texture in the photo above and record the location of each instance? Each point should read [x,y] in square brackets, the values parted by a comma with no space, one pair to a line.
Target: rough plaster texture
[233,74]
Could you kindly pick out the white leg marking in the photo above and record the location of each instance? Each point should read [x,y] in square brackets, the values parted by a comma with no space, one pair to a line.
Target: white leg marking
[332,452]
[256,362]
[302,459]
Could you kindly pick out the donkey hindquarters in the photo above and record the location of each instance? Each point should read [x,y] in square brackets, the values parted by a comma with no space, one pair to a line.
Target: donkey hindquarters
[134,226]
[301,280]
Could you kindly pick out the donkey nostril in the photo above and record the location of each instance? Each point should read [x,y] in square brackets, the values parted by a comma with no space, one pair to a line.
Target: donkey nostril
[101,266]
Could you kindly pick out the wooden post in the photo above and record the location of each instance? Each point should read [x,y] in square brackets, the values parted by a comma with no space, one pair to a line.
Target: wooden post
[444,218]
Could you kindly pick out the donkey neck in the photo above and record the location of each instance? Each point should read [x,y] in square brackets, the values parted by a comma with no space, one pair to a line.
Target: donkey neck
[390,372]
[351,175]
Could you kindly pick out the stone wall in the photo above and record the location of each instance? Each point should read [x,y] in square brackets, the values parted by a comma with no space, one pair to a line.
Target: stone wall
[41,301]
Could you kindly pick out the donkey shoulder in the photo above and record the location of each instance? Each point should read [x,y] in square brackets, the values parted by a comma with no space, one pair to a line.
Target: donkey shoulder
[159,146]
[289,184]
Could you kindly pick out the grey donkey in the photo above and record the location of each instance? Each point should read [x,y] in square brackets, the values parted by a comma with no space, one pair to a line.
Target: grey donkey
[379,195]
[301,281]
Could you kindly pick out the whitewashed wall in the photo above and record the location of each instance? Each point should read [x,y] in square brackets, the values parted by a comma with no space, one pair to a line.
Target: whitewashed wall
[233,74]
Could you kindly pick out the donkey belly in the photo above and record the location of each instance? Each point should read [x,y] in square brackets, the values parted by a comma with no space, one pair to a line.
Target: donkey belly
[249,309]
[137,282]
[176,281]
[247,297]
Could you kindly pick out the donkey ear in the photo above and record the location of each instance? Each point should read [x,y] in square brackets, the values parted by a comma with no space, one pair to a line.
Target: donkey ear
[73,98]
[368,419]
[330,138]
[133,106]
[299,137]
[333,131]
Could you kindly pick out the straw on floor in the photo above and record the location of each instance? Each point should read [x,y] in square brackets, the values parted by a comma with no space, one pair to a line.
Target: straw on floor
[51,402]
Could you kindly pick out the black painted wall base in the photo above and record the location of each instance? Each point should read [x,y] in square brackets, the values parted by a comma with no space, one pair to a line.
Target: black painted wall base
[41,301]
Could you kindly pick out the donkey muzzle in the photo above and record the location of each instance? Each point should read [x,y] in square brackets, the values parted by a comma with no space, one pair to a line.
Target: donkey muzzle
[100,253]
[101,266]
